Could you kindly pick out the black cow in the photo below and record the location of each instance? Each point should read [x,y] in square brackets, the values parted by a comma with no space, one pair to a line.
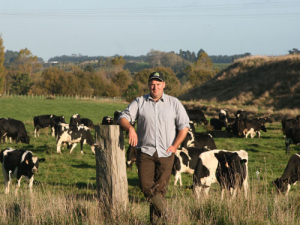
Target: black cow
[218,124]
[185,161]
[197,116]
[14,129]
[252,128]
[44,121]
[116,116]
[199,140]
[131,156]
[107,120]
[73,135]
[290,175]
[289,123]
[292,136]
[75,120]
[18,164]
[87,122]
[229,169]
[263,120]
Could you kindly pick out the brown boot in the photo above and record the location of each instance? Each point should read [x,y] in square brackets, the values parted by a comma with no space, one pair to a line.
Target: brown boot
[159,207]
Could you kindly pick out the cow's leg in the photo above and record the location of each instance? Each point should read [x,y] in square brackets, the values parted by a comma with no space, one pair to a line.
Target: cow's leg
[258,134]
[245,185]
[34,132]
[18,185]
[53,131]
[177,177]
[197,190]
[30,184]
[58,146]
[81,146]
[73,146]
[247,133]
[6,180]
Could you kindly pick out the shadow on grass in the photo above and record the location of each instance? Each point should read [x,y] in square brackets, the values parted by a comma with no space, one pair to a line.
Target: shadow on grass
[84,166]
[133,181]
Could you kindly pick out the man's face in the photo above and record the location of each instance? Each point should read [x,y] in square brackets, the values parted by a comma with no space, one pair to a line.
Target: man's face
[156,88]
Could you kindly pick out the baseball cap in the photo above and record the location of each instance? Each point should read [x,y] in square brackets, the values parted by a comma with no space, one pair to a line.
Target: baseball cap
[156,76]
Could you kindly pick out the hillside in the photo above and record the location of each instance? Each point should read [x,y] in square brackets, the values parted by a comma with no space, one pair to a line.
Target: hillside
[255,80]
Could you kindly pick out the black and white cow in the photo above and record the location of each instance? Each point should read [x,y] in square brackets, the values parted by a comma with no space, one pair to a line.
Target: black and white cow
[107,120]
[73,135]
[14,129]
[292,136]
[290,175]
[185,161]
[199,140]
[197,116]
[229,169]
[253,128]
[224,115]
[44,121]
[242,114]
[87,122]
[75,120]
[18,164]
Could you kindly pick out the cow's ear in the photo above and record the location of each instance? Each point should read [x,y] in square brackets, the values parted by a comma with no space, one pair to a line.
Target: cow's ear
[226,165]
[26,161]
[243,161]
[42,160]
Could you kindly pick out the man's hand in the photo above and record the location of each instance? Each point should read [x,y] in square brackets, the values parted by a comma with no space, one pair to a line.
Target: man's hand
[172,149]
[132,137]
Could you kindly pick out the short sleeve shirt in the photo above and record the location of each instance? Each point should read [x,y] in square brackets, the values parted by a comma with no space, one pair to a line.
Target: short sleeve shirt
[157,122]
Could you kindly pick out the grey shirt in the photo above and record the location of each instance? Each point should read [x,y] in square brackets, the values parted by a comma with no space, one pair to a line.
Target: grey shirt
[156,122]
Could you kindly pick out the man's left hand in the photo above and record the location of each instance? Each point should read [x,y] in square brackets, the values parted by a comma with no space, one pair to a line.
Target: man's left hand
[171,149]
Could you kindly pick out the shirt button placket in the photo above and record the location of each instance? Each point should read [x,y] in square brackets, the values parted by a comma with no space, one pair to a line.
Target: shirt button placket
[156,121]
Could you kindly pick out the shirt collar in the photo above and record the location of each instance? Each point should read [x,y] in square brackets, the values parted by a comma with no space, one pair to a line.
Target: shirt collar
[161,99]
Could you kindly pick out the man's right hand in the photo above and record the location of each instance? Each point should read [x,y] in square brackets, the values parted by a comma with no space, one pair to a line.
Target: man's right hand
[133,138]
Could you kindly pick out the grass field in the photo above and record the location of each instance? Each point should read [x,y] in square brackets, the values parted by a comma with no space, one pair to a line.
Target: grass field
[65,187]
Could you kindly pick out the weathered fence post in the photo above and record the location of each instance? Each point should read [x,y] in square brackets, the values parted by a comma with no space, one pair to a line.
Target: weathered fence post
[112,184]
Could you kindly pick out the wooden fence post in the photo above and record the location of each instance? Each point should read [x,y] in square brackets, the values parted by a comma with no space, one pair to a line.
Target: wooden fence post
[112,184]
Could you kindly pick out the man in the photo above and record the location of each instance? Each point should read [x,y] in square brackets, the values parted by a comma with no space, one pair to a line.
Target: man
[158,117]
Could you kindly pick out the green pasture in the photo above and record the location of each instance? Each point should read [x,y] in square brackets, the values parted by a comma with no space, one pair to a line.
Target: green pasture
[75,174]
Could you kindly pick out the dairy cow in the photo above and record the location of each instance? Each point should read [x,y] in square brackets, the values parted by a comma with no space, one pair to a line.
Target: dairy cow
[73,135]
[75,120]
[87,122]
[199,140]
[197,116]
[107,120]
[290,123]
[185,161]
[14,129]
[290,175]
[18,164]
[253,128]
[229,169]
[44,121]
[292,136]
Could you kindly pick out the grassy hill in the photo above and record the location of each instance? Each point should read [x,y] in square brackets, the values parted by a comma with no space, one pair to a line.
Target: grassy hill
[272,82]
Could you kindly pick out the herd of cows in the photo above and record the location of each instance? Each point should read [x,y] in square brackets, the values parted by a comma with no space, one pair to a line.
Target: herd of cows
[197,155]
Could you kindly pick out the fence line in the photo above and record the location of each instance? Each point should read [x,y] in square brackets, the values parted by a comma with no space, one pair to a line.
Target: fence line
[74,97]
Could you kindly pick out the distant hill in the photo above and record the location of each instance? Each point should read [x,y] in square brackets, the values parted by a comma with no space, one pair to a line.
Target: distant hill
[254,80]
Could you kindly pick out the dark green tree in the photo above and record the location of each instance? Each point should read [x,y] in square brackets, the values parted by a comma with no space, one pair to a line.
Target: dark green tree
[20,84]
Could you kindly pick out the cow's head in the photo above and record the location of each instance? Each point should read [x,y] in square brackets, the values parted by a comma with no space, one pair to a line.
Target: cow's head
[263,128]
[281,185]
[30,162]
[25,139]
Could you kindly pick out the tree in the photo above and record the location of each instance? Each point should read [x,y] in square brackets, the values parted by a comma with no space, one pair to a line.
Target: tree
[122,80]
[118,61]
[2,69]
[132,92]
[294,51]
[26,62]
[20,84]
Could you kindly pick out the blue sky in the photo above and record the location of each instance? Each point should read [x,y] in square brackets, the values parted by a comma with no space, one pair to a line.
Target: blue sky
[93,28]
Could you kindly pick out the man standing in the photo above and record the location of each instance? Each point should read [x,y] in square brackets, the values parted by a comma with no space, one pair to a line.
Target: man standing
[158,117]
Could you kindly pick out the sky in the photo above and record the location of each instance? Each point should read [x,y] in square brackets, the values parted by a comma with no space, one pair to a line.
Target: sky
[135,27]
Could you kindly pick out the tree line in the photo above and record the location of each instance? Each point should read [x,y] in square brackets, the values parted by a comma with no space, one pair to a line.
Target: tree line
[24,73]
